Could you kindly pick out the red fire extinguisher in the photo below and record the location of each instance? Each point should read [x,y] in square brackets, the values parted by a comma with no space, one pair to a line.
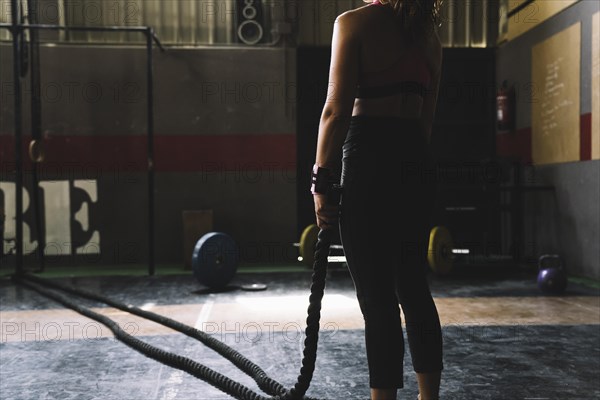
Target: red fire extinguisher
[505,107]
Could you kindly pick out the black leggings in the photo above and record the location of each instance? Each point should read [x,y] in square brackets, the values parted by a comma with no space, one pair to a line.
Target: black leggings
[384,227]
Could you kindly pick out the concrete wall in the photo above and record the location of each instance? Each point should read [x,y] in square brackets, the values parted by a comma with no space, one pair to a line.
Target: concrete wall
[567,222]
[224,140]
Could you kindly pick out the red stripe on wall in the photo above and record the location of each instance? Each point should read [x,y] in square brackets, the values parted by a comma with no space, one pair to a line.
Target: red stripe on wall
[229,152]
[178,153]
[515,144]
[585,142]
[518,143]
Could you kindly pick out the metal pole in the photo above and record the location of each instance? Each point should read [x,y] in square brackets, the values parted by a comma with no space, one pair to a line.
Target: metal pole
[16,28]
[36,123]
[142,29]
[150,115]
[16,34]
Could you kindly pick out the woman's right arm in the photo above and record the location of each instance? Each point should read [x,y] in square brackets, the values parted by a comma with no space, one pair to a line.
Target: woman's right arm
[337,111]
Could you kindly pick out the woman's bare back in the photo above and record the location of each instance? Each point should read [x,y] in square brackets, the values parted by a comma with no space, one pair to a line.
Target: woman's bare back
[382,43]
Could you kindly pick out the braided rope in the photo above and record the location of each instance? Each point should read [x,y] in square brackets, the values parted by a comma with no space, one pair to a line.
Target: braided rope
[227,385]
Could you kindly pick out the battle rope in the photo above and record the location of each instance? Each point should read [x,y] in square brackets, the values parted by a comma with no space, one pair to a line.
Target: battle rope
[317,288]
[264,382]
[222,382]
[192,367]
[314,314]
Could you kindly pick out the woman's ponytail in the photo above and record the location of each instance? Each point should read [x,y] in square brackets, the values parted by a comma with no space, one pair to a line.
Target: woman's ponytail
[417,17]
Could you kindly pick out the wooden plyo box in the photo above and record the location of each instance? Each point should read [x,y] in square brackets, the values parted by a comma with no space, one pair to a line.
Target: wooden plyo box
[196,223]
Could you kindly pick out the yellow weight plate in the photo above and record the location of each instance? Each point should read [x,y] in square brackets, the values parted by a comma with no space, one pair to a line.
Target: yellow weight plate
[308,240]
[439,254]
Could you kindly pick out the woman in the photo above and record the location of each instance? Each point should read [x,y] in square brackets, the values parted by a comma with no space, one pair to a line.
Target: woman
[383,87]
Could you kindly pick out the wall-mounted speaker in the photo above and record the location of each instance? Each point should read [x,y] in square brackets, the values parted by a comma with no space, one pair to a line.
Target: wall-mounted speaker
[250,25]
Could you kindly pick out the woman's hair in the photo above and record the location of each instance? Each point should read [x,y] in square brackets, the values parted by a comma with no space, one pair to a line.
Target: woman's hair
[417,17]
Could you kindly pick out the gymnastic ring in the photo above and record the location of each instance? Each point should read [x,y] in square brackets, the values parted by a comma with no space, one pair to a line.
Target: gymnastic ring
[36,151]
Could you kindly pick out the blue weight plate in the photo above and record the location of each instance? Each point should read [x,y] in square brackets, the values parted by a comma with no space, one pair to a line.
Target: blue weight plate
[215,259]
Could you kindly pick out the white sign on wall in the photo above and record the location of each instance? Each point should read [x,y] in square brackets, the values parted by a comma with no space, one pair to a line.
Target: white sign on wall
[57,212]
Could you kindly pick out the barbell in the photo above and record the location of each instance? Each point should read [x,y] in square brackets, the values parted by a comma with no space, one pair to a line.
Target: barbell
[216,255]
[441,252]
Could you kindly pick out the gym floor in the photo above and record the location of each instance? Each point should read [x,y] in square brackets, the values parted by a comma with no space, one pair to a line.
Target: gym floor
[503,338]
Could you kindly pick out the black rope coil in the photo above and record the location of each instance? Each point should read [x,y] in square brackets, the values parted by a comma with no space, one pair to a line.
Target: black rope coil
[317,289]
[266,383]
[220,381]
[227,385]
[314,314]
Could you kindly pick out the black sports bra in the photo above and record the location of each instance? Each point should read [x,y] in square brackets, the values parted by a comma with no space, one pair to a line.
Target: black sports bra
[371,92]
